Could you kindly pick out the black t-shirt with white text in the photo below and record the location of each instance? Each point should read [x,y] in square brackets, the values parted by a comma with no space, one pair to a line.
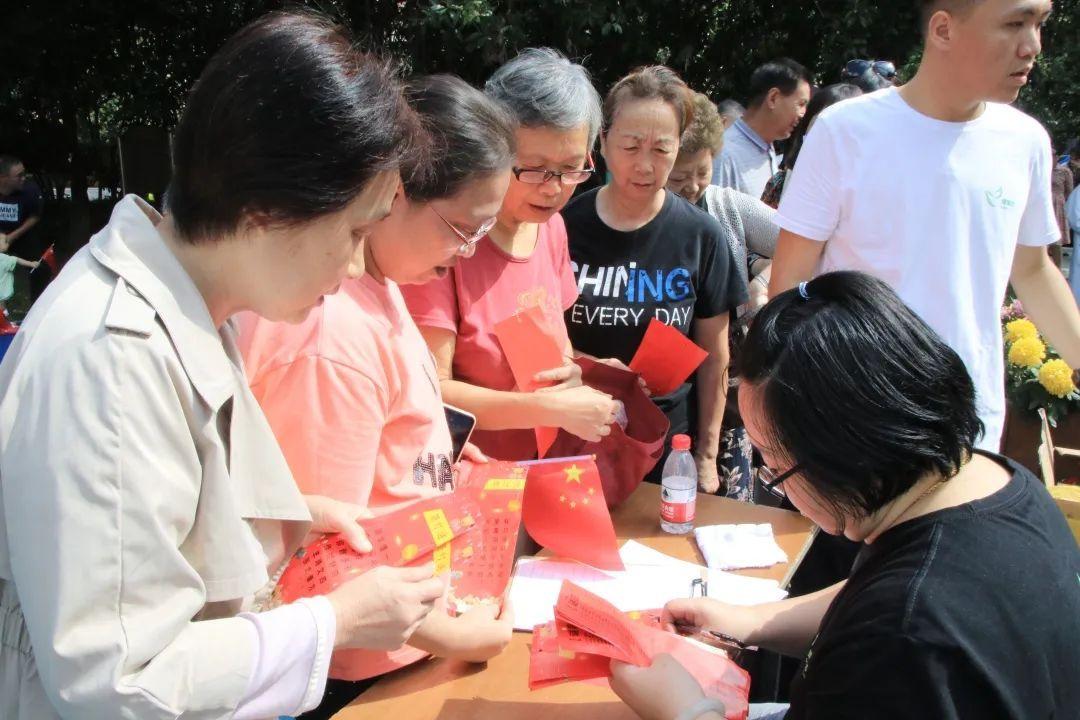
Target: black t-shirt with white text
[676,268]
[972,612]
[17,208]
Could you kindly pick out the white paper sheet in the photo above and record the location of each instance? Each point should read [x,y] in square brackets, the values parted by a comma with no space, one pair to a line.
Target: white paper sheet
[650,580]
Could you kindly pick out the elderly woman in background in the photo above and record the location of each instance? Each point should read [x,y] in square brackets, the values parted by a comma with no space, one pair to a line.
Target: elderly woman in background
[521,262]
[642,252]
[747,222]
[750,233]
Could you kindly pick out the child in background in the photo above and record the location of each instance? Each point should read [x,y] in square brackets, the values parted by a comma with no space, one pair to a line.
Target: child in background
[7,273]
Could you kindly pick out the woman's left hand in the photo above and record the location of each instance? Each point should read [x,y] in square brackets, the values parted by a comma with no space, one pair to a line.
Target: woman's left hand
[567,375]
[334,516]
[659,692]
[707,475]
[481,633]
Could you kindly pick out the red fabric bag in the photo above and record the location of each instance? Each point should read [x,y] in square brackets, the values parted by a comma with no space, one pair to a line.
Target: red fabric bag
[627,455]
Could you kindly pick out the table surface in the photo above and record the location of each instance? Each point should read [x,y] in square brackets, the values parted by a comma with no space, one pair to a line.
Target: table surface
[440,689]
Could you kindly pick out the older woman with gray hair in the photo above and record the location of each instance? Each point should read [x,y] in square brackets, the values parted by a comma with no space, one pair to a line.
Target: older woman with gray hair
[522,262]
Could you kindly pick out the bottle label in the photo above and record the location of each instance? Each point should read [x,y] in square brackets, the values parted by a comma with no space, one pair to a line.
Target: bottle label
[677,509]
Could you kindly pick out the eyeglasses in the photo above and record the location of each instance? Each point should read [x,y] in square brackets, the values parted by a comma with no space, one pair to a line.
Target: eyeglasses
[468,241]
[539,177]
[770,480]
[856,68]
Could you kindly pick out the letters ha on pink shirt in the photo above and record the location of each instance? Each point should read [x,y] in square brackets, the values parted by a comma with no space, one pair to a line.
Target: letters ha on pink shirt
[353,398]
[485,289]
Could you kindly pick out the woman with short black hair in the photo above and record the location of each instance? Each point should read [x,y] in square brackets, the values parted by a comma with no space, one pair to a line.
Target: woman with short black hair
[145,505]
[964,599]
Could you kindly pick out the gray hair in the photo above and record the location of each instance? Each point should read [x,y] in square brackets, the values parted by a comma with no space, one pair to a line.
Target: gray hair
[542,88]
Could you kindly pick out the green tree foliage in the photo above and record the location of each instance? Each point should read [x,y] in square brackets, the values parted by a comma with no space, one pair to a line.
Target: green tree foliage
[77,74]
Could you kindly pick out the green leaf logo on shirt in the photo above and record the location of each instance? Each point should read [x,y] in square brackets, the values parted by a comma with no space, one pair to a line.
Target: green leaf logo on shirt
[997,199]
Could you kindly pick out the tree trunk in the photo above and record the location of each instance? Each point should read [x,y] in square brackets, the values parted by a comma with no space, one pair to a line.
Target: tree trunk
[80,203]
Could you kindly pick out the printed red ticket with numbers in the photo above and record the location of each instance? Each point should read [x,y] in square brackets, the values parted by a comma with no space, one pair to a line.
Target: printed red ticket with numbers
[496,490]
[425,530]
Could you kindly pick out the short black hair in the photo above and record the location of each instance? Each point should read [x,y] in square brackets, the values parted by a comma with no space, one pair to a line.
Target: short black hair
[858,391]
[7,162]
[288,122]
[782,73]
[927,8]
[471,134]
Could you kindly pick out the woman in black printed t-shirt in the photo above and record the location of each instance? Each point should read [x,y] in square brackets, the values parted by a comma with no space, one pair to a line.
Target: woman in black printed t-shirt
[640,252]
[964,599]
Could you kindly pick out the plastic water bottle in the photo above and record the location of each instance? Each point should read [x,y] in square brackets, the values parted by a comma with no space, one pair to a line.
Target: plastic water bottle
[678,488]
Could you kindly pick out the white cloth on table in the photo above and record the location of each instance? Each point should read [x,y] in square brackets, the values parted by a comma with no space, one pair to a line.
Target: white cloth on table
[732,547]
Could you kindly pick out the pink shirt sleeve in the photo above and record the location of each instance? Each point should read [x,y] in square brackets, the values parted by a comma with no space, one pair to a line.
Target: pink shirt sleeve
[434,304]
[328,418]
[293,644]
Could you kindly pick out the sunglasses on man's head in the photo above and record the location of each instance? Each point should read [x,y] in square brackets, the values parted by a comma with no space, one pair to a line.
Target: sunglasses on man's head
[856,68]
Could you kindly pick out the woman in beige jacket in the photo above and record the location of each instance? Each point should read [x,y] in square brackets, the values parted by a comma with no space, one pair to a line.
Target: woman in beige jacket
[144,503]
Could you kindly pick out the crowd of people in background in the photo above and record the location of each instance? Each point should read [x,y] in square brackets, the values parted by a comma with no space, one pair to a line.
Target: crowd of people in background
[200,390]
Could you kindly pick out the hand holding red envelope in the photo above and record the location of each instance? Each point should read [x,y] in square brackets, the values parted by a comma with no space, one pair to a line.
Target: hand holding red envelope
[666,358]
[530,347]
[566,650]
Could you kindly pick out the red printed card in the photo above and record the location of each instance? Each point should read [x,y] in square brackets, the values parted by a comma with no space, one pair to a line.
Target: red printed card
[421,532]
[496,490]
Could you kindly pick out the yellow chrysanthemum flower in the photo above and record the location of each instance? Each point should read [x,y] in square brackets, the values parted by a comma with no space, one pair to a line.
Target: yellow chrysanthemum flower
[1027,352]
[1057,377]
[1020,328]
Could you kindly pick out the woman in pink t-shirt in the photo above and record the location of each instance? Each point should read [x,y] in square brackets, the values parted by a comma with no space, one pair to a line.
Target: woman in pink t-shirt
[352,392]
[523,262]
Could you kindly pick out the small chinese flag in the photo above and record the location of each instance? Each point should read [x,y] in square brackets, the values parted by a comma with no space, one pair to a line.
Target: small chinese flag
[564,510]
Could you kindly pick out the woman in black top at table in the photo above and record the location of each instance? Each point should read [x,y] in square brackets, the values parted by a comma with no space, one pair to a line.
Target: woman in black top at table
[639,251]
[964,600]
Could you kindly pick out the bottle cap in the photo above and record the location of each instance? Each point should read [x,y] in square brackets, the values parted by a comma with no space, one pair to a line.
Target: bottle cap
[680,442]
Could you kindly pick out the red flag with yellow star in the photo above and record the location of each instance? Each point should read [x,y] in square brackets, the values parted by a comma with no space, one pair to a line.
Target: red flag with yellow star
[564,510]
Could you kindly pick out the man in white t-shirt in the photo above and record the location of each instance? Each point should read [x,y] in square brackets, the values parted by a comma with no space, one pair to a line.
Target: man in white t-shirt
[942,190]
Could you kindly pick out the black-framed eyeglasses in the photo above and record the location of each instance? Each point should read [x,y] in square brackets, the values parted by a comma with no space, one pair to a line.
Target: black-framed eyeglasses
[468,240]
[539,177]
[856,68]
[771,480]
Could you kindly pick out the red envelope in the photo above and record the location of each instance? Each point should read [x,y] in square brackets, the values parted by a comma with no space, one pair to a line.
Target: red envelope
[550,664]
[666,358]
[597,616]
[530,347]
[587,626]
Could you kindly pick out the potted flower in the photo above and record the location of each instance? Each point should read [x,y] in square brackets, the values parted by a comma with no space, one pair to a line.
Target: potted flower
[1035,377]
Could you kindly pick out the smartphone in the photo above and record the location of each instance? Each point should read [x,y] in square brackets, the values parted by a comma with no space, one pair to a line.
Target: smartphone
[461,425]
